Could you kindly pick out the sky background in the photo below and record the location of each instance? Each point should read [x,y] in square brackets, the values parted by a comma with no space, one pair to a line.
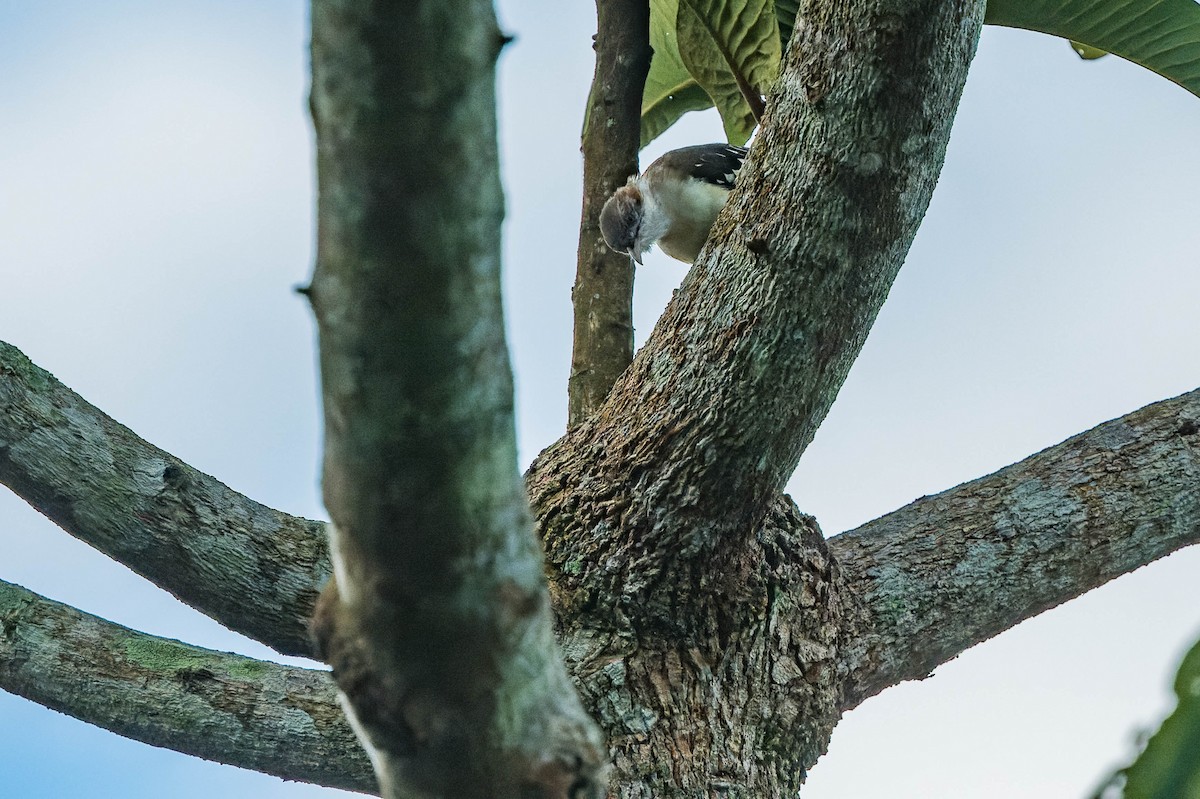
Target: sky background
[156,195]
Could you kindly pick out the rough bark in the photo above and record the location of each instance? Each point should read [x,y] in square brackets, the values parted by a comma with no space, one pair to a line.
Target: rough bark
[439,629]
[603,292]
[254,569]
[727,681]
[762,643]
[710,419]
[951,570]
[279,720]
[646,506]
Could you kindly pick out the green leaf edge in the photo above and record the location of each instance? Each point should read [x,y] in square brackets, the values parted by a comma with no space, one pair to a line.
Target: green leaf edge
[712,61]
[1155,21]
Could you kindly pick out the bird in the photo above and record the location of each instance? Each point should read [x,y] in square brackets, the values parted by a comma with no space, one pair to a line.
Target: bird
[673,203]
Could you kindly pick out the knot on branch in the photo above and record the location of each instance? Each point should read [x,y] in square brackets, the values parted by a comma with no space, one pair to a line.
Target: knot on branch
[732,659]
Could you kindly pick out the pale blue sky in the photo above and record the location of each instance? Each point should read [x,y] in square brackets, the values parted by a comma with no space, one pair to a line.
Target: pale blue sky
[155,212]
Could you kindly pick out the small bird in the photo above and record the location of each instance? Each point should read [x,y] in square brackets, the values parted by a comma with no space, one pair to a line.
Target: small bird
[674,202]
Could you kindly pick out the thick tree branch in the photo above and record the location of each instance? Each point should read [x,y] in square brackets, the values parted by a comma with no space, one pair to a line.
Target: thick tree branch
[275,719]
[951,570]
[734,690]
[603,293]
[655,510]
[254,569]
[439,628]
[697,438]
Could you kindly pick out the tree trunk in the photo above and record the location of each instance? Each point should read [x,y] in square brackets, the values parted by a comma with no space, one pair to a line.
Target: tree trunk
[438,627]
[709,626]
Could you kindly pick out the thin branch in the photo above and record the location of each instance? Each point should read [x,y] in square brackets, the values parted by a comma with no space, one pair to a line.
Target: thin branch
[603,293]
[275,719]
[254,569]
[951,570]
[439,628]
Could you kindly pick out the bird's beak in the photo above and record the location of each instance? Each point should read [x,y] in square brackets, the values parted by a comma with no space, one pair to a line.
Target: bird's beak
[635,255]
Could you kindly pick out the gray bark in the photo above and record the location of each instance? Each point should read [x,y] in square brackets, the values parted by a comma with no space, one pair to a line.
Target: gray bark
[279,720]
[949,571]
[749,355]
[254,569]
[886,602]
[439,629]
[665,534]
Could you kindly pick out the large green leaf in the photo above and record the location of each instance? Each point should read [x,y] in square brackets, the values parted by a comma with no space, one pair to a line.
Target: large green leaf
[1169,767]
[671,91]
[1161,35]
[726,51]
[785,15]
[732,49]
[1087,53]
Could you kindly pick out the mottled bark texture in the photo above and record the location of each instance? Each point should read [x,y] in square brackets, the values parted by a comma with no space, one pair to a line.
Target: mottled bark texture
[439,629]
[710,419]
[279,720]
[907,592]
[949,571]
[603,292]
[722,675]
[656,512]
[253,569]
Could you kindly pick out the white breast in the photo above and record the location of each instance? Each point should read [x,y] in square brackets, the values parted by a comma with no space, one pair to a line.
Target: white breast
[693,206]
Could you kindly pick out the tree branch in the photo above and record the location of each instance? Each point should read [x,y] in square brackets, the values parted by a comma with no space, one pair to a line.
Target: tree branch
[439,629]
[699,435]
[951,570]
[253,569]
[603,293]
[279,720]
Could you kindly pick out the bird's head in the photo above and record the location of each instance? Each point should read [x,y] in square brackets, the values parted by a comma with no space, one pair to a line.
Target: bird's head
[622,222]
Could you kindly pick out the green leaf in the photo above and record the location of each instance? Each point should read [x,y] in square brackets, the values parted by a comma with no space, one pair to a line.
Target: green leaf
[671,91]
[1087,53]
[667,112]
[1161,35]
[731,48]
[785,15]
[1169,767]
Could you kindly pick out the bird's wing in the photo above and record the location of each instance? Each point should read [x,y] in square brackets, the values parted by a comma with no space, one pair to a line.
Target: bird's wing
[717,164]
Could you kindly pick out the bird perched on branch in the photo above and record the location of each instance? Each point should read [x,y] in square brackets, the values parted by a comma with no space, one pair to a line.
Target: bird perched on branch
[674,202]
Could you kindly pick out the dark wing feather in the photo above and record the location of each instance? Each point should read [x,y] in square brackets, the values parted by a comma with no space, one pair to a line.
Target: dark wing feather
[713,163]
